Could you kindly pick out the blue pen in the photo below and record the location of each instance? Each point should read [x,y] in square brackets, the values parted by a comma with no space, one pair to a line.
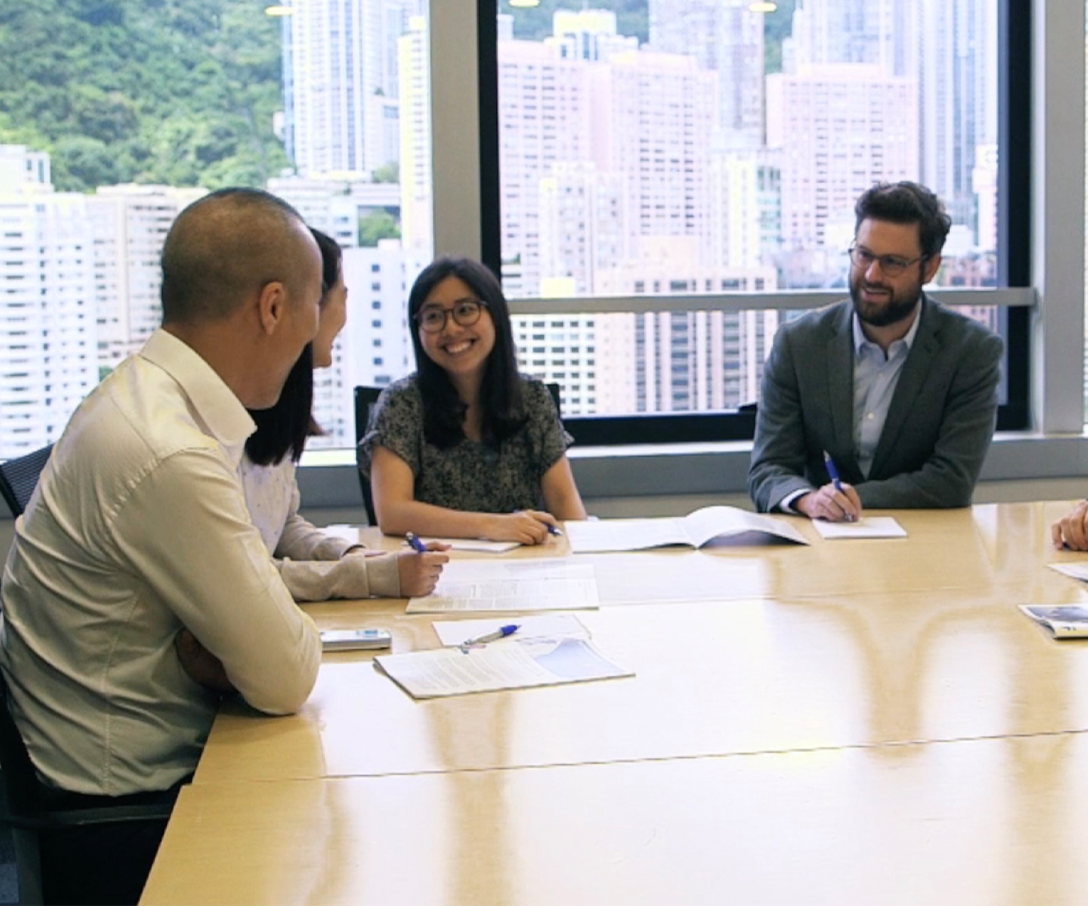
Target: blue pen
[417,545]
[552,530]
[501,633]
[833,473]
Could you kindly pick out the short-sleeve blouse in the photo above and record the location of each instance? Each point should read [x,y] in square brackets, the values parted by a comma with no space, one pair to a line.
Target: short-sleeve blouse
[469,476]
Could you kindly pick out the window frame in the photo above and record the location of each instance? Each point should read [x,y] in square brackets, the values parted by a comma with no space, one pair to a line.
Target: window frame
[1015,117]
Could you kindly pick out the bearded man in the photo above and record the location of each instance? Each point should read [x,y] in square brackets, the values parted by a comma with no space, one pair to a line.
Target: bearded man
[897,391]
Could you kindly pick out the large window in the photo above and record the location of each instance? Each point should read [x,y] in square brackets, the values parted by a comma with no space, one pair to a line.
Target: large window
[661,183]
[116,114]
[714,148]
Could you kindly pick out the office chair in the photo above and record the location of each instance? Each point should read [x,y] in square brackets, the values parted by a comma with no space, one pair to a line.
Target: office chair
[19,477]
[365,398]
[26,808]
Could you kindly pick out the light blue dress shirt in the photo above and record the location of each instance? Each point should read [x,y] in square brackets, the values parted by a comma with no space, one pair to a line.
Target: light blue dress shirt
[875,378]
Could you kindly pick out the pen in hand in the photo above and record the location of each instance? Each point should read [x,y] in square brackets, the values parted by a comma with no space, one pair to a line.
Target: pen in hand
[552,530]
[501,633]
[833,473]
[417,545]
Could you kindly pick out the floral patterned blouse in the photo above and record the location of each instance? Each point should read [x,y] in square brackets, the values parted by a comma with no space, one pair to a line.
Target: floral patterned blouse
[469,476]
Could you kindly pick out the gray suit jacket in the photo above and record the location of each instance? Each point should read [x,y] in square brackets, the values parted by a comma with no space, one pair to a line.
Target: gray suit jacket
[938,429]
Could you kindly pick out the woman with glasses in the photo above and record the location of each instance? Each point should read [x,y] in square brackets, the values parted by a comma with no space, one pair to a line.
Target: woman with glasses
[466,447]
[315,566]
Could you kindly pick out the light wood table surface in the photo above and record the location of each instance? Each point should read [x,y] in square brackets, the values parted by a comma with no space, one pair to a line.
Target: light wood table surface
[849,722]
[971,823]
[716,677]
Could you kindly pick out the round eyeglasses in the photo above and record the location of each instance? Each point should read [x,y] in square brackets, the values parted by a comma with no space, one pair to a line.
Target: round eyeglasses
[466,312]
[891,265]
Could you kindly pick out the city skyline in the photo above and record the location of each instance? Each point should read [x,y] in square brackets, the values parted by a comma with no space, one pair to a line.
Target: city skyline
[626,169]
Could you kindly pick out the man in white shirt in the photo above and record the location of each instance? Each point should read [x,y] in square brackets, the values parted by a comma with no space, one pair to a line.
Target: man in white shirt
[137,588]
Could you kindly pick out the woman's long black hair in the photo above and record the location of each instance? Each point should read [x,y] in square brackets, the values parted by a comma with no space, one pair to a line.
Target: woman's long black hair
[501,399]
[284,428]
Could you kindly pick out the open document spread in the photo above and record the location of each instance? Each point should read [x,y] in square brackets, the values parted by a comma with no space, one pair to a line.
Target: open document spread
[693,530]
[510,664]
[552,583]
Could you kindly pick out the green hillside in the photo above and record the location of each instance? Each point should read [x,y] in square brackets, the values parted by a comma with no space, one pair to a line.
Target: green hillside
[172,91]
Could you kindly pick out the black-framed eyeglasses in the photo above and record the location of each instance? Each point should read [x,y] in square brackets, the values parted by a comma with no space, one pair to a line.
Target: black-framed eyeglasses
[891,265]
[466,312]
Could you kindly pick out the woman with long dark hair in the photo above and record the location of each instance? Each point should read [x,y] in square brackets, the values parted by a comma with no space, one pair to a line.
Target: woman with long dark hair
[466,447]
[316,566]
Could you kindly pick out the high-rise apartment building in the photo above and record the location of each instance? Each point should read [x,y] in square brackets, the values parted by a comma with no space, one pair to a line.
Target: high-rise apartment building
[958,69]
[129,224]
[417,223]
[341,105]
[47,286]
[726,37]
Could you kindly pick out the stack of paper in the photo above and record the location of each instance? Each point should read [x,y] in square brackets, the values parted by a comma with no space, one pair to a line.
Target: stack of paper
[544,584]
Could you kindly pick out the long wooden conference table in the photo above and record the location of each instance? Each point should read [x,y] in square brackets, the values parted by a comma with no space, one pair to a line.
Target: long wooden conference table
[863,721]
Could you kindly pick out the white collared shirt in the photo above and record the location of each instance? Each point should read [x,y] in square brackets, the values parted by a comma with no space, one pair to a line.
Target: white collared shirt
[137,528]
[313,565]
[876,376]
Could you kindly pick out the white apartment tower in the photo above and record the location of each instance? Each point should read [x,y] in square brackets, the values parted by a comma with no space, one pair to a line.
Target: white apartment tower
[340,91]
[129,224]
[417,223]
[958,104]
[47,323]
[726,37]
[373,348]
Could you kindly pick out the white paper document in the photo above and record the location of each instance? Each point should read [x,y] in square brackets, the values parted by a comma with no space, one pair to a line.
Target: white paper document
[865,527]
[693,530]
[1073,570]
[474,544]
[512,585]
[351,533]
[519,665]
[552,625]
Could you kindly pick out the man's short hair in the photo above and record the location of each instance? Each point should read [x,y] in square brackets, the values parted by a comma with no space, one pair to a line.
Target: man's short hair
[907,202]
[221,248]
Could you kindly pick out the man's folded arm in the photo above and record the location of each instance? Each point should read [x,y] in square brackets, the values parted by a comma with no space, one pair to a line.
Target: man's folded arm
[214,572]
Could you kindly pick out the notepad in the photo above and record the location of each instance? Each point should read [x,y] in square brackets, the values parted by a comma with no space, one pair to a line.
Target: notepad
[549,626]
[693,530]
[552,583]
[865,527]
[350,533]
[517,665]
[1064,621]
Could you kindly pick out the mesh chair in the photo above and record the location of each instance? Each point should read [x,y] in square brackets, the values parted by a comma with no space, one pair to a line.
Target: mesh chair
[19,477]
[365,398]
[26,806]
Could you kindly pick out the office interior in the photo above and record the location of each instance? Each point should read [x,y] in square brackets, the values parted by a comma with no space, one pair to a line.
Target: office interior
[1046,461]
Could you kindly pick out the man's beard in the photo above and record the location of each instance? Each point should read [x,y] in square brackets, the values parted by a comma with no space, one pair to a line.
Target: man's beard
[895,307]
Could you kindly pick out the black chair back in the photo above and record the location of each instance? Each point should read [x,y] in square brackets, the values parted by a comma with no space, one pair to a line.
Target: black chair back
[365,398]
[19,778]
[19,477]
